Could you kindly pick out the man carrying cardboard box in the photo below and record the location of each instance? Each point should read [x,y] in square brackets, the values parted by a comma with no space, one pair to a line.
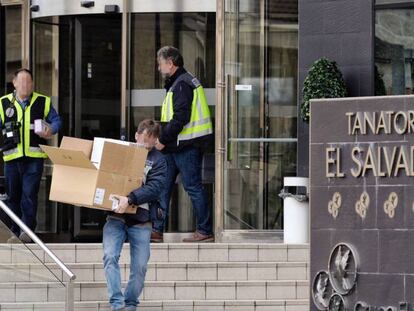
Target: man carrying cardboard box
[134,227]
[22,155]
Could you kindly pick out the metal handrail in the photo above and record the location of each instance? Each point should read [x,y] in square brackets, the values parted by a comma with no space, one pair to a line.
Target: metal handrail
[36,239]
[69,301]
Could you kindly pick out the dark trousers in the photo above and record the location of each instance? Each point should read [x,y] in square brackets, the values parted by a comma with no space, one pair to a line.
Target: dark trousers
[186,162]
[23,177]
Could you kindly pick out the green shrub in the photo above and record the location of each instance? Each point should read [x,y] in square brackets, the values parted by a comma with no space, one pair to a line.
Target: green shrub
[324,80]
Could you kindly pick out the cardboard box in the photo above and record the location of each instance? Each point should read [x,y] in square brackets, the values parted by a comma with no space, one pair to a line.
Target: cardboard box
[97,149]
[75,180]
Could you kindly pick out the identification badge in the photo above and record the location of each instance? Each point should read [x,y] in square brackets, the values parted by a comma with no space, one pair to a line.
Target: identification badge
[10,112]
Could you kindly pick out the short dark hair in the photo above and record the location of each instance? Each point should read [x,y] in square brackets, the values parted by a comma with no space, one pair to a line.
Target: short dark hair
[150,126]
[16,73]
[172,53]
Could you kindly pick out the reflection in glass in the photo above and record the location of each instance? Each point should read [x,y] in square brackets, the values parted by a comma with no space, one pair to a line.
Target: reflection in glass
[13,42]
[281,162]
[45,61]
[243,66]
[281,82]
[394,51]
[98,44]
[261,55]
[45,56]
[252,200]
[101,83]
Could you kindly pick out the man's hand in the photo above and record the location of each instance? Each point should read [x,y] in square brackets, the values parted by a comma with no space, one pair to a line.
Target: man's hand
[159,146]
[123,204]
[46,134]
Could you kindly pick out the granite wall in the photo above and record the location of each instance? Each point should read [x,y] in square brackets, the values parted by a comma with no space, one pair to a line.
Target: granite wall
[362,198]
[342,31]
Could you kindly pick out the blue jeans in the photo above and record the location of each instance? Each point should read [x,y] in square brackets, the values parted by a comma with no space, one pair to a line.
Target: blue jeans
[188,163]
[23,177]
[115,233]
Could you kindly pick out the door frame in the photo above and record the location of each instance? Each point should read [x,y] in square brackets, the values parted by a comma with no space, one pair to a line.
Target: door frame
[224,85]
[26,29]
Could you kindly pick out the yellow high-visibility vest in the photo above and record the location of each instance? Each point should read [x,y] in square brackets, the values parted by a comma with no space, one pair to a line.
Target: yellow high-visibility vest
[200,121]
[10,110]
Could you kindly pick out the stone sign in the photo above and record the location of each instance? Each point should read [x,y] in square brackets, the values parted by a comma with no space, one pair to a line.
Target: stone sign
[362,203]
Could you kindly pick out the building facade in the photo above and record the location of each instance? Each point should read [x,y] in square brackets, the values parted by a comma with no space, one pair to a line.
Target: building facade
[97,61]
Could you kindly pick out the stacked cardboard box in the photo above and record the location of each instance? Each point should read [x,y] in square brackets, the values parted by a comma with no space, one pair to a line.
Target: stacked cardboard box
[76,180]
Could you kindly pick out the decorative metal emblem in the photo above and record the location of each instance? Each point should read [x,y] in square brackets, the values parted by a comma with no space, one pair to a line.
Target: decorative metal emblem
[337,303]
[362,205]
[321,290]
[10,112]
[361,306]
[328,288]
[343,266]
[335,204]
[391,204]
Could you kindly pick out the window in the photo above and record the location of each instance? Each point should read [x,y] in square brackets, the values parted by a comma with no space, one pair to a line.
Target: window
[394,51]
[13,43]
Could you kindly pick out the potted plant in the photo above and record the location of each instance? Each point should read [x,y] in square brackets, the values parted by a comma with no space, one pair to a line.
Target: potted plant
[324,80]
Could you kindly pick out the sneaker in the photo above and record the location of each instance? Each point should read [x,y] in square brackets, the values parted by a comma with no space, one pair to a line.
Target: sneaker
[199,237]
[13,240]
[156,237]
[25,238]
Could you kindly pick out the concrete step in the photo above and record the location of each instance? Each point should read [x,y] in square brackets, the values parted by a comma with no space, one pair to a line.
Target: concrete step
[173,252]
[160,290]
[172,305]
[196,277]
[162,271]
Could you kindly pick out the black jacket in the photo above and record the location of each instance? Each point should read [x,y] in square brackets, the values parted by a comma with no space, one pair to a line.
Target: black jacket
[182,101]
[149,192]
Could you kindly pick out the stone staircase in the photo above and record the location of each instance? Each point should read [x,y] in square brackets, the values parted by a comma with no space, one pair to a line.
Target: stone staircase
[181,277]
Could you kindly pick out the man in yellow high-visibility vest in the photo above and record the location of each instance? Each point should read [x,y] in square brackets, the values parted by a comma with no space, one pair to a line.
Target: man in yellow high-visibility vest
[20,112]
[187,129]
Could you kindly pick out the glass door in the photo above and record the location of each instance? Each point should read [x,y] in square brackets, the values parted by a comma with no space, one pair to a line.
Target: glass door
[45,55]
[90,95]
[98,94]
[98,80]
[260,70]
[77,61]
[12,49]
